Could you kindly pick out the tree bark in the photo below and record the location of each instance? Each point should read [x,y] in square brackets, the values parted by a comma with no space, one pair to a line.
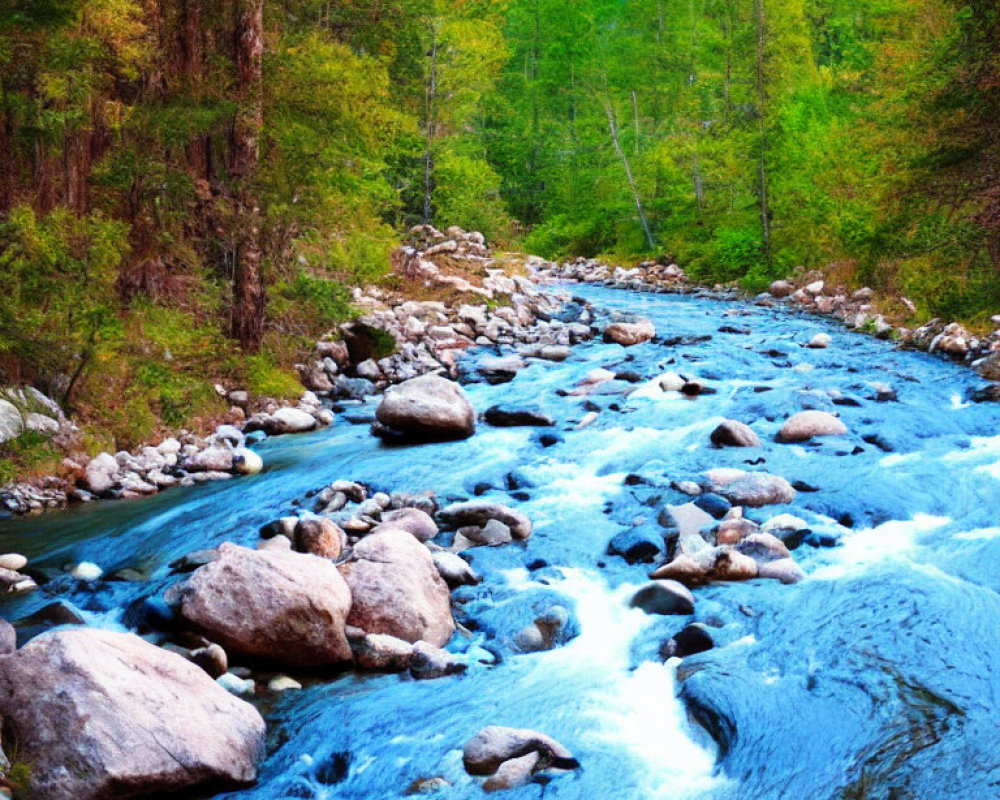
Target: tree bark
[613,126]
[431,129]
[247,323]
[765,211]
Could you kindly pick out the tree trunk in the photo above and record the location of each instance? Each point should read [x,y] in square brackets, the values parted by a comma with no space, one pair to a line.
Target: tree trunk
[613,126]
[431,126]
[247,324]
[765,212]
[635,117]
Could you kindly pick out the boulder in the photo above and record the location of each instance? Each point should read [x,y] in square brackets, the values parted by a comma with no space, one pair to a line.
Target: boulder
[246,461]
[13,561]
[805,425]
[497,370]
[780,289]
[319,536]
[454,569]
[480,512]
[754,489]
[279,606]
[731,433]
[492,746]
[380,652]
[513,773]
[820,341]
[428,408]
[629,333]
[100,714]
[291,420]
[412,520]
[501,417]
[784,570]
[687,642]
[211,459]
[664,597]
[493,534]
[8,638]
[636,545]
[11,423]
[431,662]
[101,473]
[396,589]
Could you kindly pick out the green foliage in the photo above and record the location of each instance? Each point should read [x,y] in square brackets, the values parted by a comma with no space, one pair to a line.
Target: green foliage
[325,299]
[263,377]
[467,193]
[29,452]
[58,306]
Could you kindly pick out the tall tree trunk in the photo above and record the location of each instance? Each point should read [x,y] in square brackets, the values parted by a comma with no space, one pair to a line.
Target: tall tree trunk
[699,184]
[765,211]
[249,300]
[431,126]
[613,126]
[635,117]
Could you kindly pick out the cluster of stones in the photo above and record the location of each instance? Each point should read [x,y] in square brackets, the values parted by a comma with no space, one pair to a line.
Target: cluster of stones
[181,460]
[358,583]
[12,579]
[24,409]
[647,276]
[857,309]
[431,336]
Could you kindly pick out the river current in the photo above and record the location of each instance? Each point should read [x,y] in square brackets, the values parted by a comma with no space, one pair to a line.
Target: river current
[876,677]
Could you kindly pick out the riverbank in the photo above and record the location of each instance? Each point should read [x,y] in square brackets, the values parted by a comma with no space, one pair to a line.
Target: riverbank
[473,300]
[859,310]
[479,302]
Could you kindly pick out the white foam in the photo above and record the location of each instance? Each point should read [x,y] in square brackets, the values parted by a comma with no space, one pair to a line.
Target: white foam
[621,707]
[978,534]
[894,540]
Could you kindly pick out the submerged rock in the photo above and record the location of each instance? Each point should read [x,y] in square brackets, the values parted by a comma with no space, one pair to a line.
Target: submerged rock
[754,489]
[480,512]
[805,425]
[629,333]
[494,745]
[664,597]
[731,433]
[502,417]
[100,714]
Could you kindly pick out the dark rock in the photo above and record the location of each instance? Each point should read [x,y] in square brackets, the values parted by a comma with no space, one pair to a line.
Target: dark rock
[692,639]
[664,597]
[713,504]
[45,619]
[637,545]
[501,417]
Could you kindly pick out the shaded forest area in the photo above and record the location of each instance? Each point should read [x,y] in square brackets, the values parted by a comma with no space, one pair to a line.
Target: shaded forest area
[188,187]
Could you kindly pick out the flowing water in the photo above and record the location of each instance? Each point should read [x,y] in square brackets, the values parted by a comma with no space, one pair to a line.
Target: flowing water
[874,678]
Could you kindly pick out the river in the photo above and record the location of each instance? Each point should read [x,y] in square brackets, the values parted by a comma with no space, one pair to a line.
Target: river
[873,678]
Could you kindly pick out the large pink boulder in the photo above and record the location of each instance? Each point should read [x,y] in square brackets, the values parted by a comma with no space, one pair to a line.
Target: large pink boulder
[397,590]
[276,605]
[99,714]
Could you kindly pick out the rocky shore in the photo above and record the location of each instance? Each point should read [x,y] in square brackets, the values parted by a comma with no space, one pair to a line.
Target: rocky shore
[857,309]
[394,340]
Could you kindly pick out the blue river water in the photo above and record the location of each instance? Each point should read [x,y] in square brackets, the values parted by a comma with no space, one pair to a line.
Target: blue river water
[873,678]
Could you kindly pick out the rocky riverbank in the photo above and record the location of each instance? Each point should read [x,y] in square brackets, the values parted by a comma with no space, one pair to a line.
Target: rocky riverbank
[395,339]
[858,309]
